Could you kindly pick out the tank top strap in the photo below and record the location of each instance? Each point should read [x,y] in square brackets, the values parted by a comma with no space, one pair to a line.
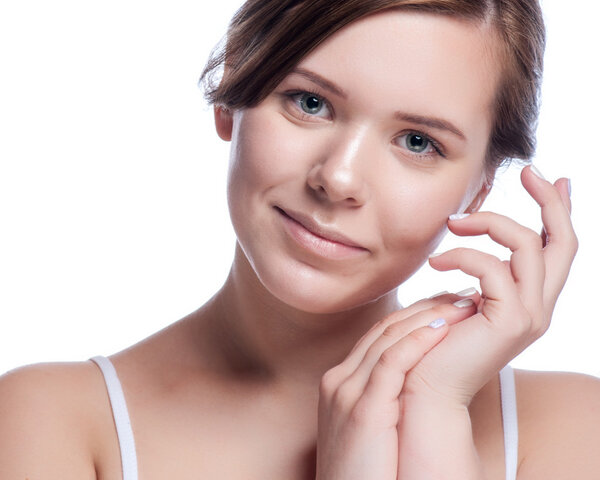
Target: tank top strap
[127,443]
[509,421]
[121,417]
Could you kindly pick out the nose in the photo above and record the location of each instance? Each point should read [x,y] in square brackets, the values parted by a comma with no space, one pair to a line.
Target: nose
[339,175]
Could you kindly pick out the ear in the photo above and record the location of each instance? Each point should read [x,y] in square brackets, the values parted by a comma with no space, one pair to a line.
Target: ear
[223,122]
[478,200]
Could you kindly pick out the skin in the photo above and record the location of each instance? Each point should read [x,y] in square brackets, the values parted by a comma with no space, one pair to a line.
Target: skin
[361,180]
[302,364]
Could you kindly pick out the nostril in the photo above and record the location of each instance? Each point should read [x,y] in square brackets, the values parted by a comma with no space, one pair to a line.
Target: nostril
[317,189]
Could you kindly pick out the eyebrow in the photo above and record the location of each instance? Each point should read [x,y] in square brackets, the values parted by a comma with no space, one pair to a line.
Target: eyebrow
[322,82]
[431,122]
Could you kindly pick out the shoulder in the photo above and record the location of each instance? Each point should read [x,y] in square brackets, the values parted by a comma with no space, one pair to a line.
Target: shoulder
[559,424]
[558,397]
[48,413]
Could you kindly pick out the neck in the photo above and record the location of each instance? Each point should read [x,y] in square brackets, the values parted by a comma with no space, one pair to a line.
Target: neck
[258,336]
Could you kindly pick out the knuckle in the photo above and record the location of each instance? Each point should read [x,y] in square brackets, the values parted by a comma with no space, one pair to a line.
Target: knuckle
[329,383]
[390,358]
[497,264]
[394,330]
[396,357]
[533,240]
[574,244]
[440,311]
[494,265]
[343,397]
[403,313]
[417,337]
[360,413]
[392,318]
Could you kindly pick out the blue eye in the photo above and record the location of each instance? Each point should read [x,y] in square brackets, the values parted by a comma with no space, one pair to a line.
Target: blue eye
[311,104]
[417,143]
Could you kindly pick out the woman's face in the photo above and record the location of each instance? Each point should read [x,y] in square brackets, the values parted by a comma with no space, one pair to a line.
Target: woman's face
[373,140]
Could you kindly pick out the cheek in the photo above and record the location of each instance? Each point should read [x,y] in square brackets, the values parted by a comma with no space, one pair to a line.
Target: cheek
[266,152]
[266,158]
[415,220]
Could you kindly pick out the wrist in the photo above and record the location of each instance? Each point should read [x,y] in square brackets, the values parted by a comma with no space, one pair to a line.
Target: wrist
[436,440]
[432,400]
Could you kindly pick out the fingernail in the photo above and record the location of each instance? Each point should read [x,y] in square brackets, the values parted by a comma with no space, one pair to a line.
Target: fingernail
[437,323]
[431,255]
[466,292]
[458,216]
[466,302]
[439,294]
[537,172]
[569,186]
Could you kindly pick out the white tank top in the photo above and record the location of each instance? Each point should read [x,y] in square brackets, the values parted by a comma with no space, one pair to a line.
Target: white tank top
[127,444]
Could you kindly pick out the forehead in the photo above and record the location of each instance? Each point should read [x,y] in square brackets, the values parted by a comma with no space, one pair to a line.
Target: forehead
[419,62]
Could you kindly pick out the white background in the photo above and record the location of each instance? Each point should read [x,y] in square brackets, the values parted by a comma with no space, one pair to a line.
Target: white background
[113,221]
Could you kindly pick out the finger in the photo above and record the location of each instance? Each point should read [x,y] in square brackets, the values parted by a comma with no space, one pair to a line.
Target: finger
[561,241]
[358,351]
[451,313]
[387,376]
[527,260]
[555,214]
[501,229]
[563,185]
[497,284]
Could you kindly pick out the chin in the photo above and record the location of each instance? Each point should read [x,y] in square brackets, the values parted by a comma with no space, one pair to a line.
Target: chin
[321,302]
[313,291]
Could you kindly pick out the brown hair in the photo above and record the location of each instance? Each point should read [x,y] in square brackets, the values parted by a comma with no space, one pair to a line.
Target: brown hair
[266,39]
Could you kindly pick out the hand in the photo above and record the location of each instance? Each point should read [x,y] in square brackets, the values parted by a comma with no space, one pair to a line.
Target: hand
[359,408]
[518,296]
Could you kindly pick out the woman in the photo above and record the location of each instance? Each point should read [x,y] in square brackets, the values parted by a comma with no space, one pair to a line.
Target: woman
[358,128]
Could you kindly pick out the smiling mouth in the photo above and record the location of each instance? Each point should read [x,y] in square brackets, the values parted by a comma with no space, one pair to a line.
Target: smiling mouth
[313,237]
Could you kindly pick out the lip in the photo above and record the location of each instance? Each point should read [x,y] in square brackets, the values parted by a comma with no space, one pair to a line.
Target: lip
[323,240]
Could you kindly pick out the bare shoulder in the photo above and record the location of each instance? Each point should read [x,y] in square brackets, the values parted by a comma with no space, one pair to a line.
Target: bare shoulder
[559,425]
[48,414]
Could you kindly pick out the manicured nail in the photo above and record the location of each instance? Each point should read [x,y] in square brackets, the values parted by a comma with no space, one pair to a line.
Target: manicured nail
[466,302]
[569,186]
[439,294]
[432,255]
[537,172]
[458,216]
[437,323]
[466,292]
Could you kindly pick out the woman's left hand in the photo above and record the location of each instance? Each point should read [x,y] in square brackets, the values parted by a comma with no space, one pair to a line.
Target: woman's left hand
[518,295]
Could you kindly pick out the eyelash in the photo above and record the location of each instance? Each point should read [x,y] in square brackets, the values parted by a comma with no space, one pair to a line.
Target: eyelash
[436,146]
[304,116]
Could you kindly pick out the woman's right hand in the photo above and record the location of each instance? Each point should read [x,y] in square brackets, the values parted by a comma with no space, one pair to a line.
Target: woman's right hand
[359,409]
